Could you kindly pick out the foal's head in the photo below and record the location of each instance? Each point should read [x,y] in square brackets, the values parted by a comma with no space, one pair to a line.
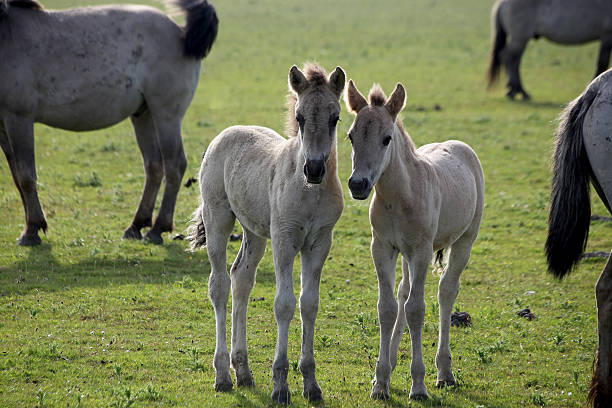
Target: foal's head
[371,135]
[316,110]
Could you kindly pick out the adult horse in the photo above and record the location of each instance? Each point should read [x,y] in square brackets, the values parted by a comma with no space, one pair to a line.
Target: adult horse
[561,21]
[89,68]
[425,200]
[287,190]
[582,154]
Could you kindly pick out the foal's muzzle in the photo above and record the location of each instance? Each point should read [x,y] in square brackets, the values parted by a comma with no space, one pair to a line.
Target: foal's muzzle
[314,170]
[360,189]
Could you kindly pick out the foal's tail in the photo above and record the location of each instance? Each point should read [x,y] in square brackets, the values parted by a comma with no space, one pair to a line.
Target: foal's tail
[196,233]
[202,26]
[498,42]
[570,204]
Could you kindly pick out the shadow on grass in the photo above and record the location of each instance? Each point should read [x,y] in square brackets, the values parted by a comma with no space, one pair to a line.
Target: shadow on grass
[40,269]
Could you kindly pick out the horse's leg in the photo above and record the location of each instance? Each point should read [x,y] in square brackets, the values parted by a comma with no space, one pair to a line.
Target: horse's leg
[512,54]
[604,54]
[17,140]
[146,136]
[385,259]
[415,315]
[400,323]
[219,223]
[284,251]
[175,163]
[313,257]
[602,378]
[243,279]
[447,294]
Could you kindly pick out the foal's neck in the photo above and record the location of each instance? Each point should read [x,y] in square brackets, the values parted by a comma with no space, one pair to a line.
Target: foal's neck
[400,170]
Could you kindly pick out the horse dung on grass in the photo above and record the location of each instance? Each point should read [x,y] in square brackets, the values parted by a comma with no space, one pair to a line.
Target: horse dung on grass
[89,68]
[286,190]
[561,21]
[582,156]
[425,200]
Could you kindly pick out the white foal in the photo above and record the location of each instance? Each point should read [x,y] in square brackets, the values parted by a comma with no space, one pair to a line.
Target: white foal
[287,190]
[425,200]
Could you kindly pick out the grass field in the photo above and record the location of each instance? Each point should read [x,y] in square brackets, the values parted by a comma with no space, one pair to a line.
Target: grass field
[89,320]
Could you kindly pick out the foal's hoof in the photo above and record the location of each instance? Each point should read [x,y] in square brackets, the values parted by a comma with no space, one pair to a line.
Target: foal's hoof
[132,233]
[30,240]
[154,238]
[313,393]
[419,397]
[282,396]
[245,380]
[223,386]
[379,392]
[445,383]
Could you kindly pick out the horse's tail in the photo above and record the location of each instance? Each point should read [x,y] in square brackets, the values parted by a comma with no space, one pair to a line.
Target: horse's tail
[498,42]
[570,204]
[196,233]
[202,26]
[26,4]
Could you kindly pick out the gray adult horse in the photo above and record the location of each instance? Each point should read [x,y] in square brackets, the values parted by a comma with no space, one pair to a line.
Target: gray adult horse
[582,154]
[561,21]
[90,68]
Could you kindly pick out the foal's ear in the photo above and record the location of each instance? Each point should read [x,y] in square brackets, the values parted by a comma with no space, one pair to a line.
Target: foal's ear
[297,80]
[396,101]
[336,81]
[354,99]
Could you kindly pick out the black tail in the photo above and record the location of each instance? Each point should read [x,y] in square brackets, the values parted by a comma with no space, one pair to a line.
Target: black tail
[570,203]
[439,259]
[196,233]
[497,45]
[202,26]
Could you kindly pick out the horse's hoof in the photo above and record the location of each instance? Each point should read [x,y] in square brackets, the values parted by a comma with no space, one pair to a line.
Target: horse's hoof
[282,396]
[154,238]
[313,393]
[132,233]
[379,392]
[526,96]
[419,397]
[510,95]
[445,383]
[30,240]
[245,380]
[223,386]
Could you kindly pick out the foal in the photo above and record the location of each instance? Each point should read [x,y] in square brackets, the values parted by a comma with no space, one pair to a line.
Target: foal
[287,190]
[425,200]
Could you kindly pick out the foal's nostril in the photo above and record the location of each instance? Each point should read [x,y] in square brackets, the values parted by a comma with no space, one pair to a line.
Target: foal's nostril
[314,170]
[359,185]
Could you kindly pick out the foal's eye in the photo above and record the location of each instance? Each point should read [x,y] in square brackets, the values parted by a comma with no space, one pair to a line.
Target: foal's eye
[386,141]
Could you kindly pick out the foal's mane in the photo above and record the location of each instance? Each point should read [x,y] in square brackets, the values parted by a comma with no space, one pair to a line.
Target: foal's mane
[316,76]
[377,97]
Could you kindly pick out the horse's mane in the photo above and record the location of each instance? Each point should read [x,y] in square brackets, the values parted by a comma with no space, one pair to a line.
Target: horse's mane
[315,75]
[24,4]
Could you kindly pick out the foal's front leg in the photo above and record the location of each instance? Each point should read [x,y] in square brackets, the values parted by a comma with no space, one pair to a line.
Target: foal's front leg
[601,386]
[284,250]
[313,257]
[385,259]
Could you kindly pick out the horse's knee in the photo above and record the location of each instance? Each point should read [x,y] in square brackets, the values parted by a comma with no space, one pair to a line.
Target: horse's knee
[387,310]
[284,306]
[447,289]
[218,286]
[154,171]
[309,304]
[415,311]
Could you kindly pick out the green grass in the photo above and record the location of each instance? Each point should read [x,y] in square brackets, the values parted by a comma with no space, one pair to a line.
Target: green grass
[89,320]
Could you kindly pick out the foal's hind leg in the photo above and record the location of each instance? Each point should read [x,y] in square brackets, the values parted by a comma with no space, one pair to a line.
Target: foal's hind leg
[447,294]
[243,278]
[601,388]
[175,163]
[400,323]
[313,257]
[146,135]
[17,141]
[219,223]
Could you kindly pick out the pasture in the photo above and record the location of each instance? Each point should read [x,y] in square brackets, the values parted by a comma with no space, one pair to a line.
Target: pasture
[89,320]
